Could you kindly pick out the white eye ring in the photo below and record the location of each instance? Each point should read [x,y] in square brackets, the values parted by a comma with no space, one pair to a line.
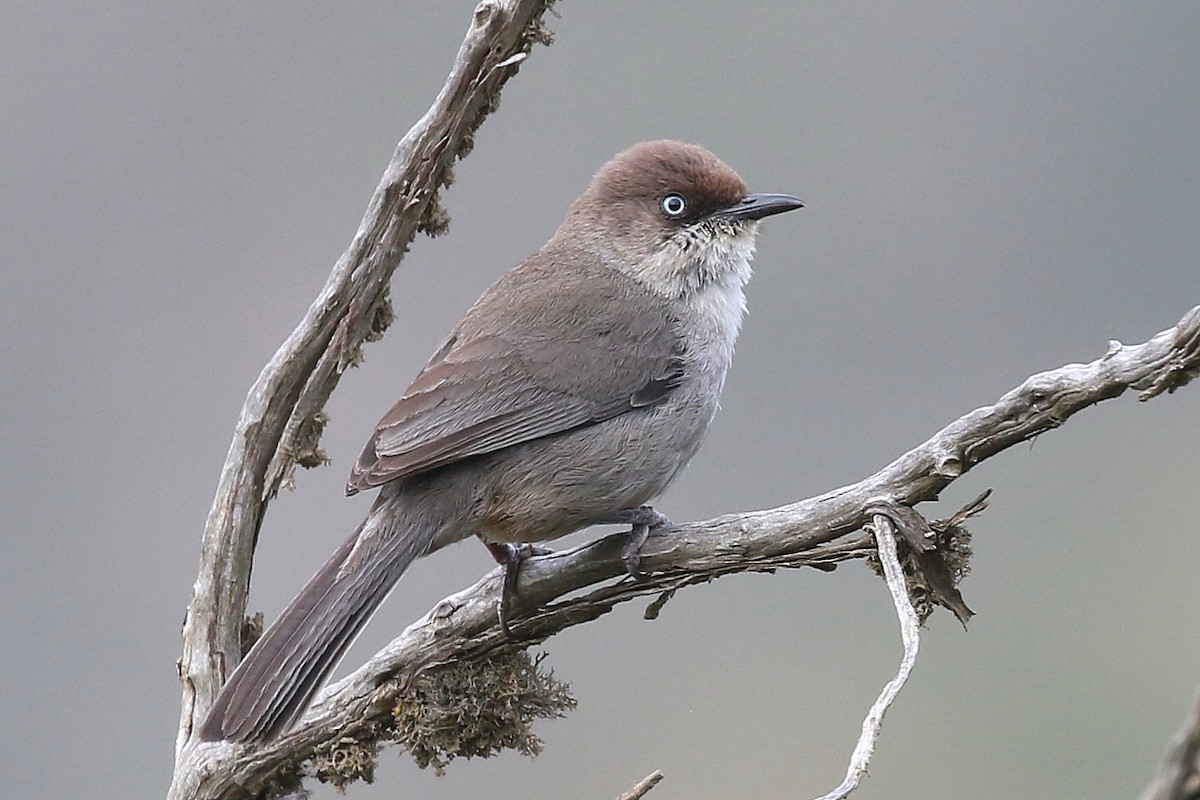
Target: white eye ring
[674,204]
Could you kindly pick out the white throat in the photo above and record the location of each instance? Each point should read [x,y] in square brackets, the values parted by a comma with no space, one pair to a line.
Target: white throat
[706,267]
[721,298]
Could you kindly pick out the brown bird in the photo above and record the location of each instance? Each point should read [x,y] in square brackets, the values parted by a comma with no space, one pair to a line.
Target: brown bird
[571,394]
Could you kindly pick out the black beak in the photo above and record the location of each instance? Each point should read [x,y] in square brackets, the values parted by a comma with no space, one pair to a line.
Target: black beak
[757,206]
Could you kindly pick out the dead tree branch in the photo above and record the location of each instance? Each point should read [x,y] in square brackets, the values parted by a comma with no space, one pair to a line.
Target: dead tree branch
[1179,776]
[814,532]
[818,532]
[884,532]
[643,786]
[281,418]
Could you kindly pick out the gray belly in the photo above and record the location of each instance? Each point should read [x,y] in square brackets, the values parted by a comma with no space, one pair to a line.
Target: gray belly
[554,486]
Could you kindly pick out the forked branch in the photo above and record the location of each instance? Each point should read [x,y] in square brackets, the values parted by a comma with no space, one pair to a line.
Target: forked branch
[280,425]
[818,532]
[281,419]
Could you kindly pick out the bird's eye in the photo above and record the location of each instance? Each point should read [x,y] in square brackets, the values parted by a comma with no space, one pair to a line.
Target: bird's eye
[674,205]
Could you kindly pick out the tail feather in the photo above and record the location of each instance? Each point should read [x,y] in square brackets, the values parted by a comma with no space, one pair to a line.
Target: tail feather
[276,681]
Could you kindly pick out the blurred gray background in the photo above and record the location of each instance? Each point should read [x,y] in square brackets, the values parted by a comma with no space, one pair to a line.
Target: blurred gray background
[992,189]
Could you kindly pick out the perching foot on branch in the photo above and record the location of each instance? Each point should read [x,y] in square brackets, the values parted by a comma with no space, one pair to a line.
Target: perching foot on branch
[642,519]
[510,557]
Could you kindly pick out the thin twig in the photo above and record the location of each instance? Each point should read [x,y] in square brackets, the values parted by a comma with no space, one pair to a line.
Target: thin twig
[1179,776]
[860,759]
[644,785]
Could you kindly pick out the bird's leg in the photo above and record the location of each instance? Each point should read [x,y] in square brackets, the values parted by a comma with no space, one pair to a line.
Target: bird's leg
[510,556]
[642,519]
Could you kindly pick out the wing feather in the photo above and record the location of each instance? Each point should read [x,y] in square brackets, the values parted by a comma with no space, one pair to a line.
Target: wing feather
[514,372]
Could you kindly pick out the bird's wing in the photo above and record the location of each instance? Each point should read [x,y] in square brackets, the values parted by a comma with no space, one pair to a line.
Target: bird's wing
[532,358]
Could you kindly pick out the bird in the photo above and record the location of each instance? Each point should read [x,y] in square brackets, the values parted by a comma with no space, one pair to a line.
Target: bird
[572,393]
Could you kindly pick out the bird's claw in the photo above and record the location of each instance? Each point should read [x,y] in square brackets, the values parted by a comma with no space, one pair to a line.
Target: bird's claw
[510,557]
[642,520]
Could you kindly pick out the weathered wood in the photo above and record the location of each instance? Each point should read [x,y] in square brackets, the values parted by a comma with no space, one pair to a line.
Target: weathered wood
[277,420]
[280,424]
[815,532]
[1178,777]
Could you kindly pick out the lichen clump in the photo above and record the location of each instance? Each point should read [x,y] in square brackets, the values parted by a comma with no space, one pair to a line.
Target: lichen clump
[344,762]
[478,709]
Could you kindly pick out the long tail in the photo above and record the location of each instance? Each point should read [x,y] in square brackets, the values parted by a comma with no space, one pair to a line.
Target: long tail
[276,681]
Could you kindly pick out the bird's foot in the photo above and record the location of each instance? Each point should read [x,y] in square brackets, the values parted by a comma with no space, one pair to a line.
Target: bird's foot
[510,557]
[642,519]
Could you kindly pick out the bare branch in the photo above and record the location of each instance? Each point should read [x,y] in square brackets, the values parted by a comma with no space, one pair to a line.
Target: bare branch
[1179,776]
[817,532]
[893,573]
[643,786]
[280,419]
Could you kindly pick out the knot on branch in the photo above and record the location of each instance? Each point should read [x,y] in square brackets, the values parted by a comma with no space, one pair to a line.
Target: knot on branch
[1184,361]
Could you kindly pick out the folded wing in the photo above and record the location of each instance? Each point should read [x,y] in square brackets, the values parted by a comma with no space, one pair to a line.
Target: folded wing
[563,361]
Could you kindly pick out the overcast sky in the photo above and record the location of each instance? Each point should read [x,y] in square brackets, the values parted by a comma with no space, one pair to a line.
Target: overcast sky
[991,189]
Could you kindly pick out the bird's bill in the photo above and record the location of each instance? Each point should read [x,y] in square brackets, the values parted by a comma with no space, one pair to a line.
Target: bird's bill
[757,206]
